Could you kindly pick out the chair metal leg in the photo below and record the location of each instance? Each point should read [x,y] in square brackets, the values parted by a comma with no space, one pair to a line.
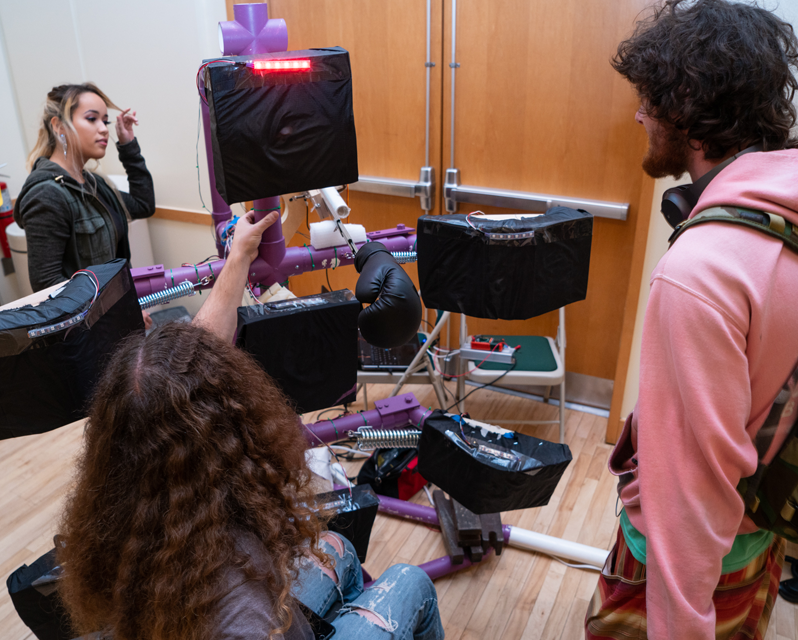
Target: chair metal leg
[562,412]
[436,384]
[422,353]
[366,397]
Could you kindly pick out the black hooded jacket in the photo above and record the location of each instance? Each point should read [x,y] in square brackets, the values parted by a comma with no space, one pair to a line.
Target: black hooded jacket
[69,226]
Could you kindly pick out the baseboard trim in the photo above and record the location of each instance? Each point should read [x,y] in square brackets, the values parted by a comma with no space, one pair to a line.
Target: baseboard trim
[183,215]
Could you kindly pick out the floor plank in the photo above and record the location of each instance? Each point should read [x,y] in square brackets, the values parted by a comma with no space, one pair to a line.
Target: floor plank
[516,595]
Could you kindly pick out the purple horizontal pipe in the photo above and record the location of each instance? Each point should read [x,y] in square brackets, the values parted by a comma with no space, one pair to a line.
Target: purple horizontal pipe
[408,510]
[397,412]
[333,430]
[296,260]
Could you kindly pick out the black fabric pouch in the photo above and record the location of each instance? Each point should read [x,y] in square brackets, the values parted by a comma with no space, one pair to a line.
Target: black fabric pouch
[52,354]
[33,591]
[283,130]
[354,515]
[510,269]
[487,472]
[308,345]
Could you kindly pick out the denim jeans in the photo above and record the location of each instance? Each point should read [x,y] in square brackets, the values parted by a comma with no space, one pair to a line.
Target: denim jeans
[403,598]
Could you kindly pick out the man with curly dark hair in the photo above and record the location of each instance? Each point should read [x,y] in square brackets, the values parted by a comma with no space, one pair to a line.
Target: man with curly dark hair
[716,83]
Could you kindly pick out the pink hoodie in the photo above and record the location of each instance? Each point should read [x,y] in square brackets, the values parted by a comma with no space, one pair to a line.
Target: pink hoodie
[719,340]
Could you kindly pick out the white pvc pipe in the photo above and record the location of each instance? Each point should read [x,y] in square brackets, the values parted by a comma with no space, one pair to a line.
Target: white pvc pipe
[532,541]
[335,203]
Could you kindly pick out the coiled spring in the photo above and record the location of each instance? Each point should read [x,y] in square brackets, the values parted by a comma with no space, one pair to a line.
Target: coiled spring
[403,257]
[167,295]
[369,438]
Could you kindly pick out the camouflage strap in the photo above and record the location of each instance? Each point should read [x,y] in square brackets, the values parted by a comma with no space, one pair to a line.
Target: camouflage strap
[771,494]
[769,223]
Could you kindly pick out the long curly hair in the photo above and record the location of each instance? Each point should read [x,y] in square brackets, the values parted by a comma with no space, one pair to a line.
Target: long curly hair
[188,444]
[721,72]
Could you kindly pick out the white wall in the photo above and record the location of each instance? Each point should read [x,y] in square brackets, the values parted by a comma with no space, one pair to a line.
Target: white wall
[658,235]
[143,54]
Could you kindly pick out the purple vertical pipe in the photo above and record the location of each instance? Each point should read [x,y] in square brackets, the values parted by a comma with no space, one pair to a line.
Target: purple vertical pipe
[253,16]
[221,210]
[272,245]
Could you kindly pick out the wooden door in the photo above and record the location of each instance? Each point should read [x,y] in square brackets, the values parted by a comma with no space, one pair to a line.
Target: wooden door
[538,108]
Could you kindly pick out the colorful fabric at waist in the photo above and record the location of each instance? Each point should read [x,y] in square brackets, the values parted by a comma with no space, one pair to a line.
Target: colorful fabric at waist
[746,546]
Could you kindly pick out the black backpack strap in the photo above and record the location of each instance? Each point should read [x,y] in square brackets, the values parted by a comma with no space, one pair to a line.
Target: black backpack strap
[769,223]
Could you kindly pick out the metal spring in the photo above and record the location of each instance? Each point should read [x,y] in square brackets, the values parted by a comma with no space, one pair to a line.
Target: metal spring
[403,257]
[167,295]
[369,438]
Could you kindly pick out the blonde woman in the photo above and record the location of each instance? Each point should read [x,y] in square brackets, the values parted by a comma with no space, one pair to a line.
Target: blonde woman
[72,217]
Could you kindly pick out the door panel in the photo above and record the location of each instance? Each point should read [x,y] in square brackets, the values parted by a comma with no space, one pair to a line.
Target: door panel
[539,108]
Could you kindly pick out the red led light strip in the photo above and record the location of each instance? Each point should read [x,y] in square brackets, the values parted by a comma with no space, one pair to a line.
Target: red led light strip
[281,65]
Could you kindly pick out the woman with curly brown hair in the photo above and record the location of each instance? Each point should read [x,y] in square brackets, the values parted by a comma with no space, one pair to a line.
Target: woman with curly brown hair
[188,518]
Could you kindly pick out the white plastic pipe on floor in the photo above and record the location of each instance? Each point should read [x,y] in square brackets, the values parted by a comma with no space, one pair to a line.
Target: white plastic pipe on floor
[581,553]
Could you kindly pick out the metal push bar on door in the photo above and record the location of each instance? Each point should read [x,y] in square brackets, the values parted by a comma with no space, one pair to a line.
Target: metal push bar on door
[454,192]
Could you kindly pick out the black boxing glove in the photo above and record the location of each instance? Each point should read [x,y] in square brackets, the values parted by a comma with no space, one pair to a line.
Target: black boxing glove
[394,312]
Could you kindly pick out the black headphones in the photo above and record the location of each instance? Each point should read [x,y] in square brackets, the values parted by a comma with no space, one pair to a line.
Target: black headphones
[678,202]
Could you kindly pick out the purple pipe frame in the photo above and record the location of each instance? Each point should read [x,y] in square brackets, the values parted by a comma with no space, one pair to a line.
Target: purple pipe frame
[295,260]
[275,261]
[252,32]
[393,413]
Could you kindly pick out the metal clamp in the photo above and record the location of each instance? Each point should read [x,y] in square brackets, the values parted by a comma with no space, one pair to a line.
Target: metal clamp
[454,193]
[423,189]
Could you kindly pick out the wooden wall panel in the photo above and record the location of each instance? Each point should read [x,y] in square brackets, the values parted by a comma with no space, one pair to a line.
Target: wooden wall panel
[538,108]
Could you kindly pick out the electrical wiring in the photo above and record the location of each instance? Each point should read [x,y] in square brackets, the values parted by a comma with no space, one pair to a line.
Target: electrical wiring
[95,282]
[471,224]
[429,495]
[351,452]
[482,386]
[321,413]
[201,262]
[199,184]
[328,447]
[573,566]
[199,71]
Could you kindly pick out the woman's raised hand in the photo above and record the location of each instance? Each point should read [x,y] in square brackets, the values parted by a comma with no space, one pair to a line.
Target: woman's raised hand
[124,126]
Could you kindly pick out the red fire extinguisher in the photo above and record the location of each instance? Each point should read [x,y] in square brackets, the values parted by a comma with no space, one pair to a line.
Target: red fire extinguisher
[6,218]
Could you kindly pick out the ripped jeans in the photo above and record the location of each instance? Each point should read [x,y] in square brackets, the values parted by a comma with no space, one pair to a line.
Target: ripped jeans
[403,599]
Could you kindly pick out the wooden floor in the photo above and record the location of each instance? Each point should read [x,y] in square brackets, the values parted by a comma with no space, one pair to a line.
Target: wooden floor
[517,595]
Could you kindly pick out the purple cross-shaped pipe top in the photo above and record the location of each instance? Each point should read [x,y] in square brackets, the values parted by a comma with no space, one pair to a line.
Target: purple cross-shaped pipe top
[252,31]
